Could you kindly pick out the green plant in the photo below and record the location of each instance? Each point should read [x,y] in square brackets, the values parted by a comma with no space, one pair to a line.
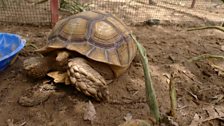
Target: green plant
[73,6]
[207,56]
[220,28]
[220,69]
[150,92]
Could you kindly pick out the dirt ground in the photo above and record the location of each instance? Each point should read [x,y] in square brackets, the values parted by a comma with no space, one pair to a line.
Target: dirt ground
[199,84]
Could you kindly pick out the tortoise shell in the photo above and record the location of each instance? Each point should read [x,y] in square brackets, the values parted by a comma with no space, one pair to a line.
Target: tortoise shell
[97,35]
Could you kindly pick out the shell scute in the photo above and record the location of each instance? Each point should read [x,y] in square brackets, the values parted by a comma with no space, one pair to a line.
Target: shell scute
[74,30]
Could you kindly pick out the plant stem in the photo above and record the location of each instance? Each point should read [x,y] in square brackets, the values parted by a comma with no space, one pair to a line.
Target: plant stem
[207,27]
[206,56]
[193,3]
[173,96]
[150,92]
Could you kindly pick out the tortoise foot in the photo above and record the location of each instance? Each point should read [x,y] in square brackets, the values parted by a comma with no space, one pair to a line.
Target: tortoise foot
[87,80]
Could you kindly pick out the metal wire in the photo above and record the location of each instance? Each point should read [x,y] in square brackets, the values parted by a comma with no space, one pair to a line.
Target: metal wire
[25,12]
[38,11]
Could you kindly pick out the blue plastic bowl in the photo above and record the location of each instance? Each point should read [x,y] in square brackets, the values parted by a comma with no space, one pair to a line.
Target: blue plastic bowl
[10,45]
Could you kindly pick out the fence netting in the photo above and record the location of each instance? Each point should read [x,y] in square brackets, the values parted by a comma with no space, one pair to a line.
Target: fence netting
[39,11]
[25,12]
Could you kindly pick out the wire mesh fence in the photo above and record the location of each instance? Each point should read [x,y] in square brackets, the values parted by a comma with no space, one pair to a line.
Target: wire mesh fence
[39,11]
[25,12]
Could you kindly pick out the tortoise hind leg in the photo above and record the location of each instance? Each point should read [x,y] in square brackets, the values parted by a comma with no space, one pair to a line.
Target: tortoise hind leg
[37,67]
[87,80]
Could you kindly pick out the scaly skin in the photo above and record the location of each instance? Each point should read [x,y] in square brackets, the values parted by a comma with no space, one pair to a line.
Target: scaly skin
[80,72]
[88,76]
[87,80]
[38,67]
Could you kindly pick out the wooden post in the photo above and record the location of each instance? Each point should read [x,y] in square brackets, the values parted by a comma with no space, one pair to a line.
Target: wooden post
[193,3]
[54,12]
[152,2]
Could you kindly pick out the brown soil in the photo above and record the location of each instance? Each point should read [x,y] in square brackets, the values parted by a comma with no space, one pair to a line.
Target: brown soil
[168,49]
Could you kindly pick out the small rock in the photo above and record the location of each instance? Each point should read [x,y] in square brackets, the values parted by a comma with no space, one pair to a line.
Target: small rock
[222,47]
[90,112]
[128,117]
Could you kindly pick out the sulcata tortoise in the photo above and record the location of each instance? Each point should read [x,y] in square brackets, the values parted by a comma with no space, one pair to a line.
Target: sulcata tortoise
[87,50]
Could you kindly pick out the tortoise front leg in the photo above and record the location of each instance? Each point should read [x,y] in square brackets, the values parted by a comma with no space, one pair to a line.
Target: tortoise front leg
[87,80]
